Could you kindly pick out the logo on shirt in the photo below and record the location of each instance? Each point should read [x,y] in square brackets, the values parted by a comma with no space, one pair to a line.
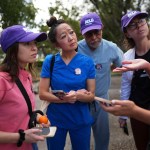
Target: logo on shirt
[98,66]
[77,71]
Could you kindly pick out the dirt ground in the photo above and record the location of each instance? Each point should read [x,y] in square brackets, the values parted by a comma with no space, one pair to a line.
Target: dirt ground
[118,140]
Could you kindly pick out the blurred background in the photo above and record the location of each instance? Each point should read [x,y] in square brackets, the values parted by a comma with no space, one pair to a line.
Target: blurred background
[34,13]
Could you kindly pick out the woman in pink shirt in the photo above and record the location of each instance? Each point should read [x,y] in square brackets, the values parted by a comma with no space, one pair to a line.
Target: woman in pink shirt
[19,44]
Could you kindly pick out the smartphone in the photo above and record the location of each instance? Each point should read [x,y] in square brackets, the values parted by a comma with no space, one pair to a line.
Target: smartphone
[47,131]
[58,93]
[102,100]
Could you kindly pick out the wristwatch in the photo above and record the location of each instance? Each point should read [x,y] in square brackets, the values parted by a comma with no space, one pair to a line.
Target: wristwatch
[21,138]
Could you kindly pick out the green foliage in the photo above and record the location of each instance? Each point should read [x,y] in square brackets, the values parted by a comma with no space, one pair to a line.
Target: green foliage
[110,12]
[39,63]
[71,16]
[23,12]
[17,12]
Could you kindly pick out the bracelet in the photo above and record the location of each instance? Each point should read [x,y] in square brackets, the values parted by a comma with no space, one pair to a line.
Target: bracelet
[21,138]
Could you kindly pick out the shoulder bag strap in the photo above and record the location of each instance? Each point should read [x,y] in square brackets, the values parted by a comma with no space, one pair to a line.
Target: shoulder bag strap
[52,66]
[45,104]
[25,94]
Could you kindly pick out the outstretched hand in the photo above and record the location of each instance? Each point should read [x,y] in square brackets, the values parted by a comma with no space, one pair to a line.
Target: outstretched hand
[130,65]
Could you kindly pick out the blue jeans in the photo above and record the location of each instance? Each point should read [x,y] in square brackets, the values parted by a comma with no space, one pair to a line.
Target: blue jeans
[34,146]
[100,127]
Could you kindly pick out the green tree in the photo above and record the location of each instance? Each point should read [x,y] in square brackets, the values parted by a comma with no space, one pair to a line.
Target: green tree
[70,15]
[17,12]
[111,12]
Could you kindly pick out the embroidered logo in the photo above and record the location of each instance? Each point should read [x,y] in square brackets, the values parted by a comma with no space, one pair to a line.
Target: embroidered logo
[27,30]
[89,21]
[131,13]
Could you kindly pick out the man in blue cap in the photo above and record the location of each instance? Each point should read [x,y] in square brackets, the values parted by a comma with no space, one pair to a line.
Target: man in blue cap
[104,54]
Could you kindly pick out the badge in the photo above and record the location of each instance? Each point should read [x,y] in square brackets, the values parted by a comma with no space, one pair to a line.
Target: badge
[77,71]
[98,66]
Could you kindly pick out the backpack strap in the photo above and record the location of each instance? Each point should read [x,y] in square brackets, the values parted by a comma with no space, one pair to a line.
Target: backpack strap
[52,66]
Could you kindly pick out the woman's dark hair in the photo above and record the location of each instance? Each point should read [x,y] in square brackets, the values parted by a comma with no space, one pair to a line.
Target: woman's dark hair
[10,63]
[53,23]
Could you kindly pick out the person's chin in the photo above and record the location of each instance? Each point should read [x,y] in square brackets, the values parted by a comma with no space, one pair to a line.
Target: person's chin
[32,60]
[94,46]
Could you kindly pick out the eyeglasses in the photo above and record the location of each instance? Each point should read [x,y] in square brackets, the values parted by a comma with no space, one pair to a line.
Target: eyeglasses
[93,32]
[137,24]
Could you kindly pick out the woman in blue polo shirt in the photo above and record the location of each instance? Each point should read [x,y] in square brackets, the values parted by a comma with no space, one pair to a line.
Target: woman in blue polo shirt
[73,73]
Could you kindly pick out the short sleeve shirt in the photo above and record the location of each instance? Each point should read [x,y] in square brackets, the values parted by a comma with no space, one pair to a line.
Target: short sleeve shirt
[69,77]
[13,108]
[104,55]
